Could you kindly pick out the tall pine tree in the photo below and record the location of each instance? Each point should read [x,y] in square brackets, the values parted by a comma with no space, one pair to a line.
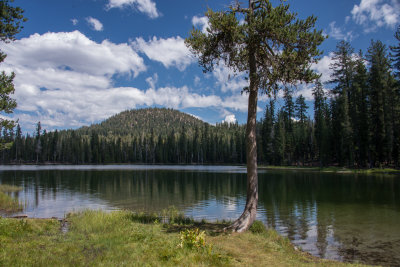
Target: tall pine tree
[321,118]
[379,86]
[361,109]
[342,75]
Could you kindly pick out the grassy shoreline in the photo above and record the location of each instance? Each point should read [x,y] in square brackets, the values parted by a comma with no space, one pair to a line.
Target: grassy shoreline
[123,238]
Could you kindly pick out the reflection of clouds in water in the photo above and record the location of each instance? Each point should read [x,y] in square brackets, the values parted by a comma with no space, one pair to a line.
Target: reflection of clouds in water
[227,208]
[46,204]
[230,203]
[212,209]
[326,248]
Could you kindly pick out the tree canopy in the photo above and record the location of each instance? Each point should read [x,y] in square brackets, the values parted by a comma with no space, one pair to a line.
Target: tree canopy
[284,47]
[10,19]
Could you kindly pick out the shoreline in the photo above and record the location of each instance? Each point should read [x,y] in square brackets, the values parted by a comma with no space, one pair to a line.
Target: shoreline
[142,166]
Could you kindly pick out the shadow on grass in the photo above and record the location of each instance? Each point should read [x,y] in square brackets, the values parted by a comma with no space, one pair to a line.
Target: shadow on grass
[212,229]
[215,229]
[174,221]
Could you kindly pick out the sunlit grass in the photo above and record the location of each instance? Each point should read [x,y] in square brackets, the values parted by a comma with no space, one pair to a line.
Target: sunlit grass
[122,238]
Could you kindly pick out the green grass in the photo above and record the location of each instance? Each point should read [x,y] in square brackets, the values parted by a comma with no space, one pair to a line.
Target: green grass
[123,238]
[7,203]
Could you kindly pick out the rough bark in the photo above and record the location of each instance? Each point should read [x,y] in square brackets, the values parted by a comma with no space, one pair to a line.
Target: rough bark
[249,214]
[250,211]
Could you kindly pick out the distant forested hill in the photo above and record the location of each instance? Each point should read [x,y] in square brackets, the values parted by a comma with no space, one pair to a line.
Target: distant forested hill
[142,121]
[151,135]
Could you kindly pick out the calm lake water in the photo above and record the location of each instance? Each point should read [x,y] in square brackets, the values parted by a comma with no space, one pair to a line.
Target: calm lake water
[336,216]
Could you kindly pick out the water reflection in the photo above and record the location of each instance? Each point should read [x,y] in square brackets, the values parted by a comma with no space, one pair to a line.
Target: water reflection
[345,217]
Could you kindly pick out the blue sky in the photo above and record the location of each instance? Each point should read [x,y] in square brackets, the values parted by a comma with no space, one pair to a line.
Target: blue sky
[80,61]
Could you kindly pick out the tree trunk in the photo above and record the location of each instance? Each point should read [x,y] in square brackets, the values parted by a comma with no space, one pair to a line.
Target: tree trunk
[249,214]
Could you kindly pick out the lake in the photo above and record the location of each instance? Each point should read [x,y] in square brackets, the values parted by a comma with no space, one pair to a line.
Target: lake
[345,217]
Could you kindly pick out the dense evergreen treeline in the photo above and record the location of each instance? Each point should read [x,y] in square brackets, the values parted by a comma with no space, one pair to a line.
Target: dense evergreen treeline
[186,140]
[356,123]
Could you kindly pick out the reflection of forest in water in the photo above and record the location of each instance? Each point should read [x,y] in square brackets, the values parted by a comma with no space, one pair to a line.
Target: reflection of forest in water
[347,217]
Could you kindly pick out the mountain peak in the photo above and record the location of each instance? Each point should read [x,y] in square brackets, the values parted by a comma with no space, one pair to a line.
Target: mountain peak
[143,121]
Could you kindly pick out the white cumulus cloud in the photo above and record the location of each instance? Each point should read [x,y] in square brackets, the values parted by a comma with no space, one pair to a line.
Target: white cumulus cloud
[170,52]
[65,79]
[228,80]
[237,102]
[230,119]
[95,24]
[200,22]
[306,90]
[323,67]
[373,14]
[145,6]
[73,51]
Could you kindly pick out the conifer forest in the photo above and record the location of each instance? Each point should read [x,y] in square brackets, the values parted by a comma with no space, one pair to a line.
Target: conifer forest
[354,122]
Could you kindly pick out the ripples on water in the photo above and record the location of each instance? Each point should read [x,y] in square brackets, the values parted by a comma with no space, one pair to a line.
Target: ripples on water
[335,216]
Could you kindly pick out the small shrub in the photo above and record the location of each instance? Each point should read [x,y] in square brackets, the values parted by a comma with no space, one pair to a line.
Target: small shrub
[192,239]
[258,228]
